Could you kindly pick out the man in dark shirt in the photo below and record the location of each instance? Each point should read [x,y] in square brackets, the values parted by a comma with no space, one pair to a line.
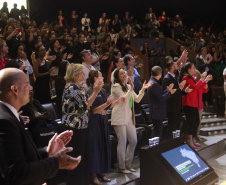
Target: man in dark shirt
[15,12]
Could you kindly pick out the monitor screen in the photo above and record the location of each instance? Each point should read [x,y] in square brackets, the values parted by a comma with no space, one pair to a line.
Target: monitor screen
[186,162]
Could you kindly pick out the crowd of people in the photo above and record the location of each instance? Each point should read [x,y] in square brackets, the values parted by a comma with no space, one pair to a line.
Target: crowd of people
[77,59]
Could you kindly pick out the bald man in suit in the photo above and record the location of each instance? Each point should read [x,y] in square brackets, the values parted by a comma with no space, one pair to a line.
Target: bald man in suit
[20,161]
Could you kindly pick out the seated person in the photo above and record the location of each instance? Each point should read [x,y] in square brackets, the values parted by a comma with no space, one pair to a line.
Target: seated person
[36,112]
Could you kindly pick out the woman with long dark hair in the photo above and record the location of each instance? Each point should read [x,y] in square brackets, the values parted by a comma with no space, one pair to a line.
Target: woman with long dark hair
[42,75]
[3,53]
[190,101]
[123,119]
[19,55]
[60,84]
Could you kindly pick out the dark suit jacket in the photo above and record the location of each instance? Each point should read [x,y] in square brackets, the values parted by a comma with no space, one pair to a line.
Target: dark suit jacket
[174,103]
[157,100]
[20,161]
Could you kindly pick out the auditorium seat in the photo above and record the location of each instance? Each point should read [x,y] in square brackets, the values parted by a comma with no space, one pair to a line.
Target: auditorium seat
[139,118]
[113,143]
[150,131]
[142,139]
[51,110]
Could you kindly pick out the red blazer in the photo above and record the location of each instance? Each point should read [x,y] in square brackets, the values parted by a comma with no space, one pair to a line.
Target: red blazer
[201,90]
[192,98]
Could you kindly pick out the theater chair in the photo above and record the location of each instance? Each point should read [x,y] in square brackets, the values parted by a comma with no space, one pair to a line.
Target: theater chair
[145,111]
[113,143]
[142,139]
[164,130]
[42,135]
[53,116]
[111,129]
[51,110]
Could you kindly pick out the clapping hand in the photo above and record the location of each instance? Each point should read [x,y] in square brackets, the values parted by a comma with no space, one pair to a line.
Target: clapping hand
[146,85]
[130,71]
[67,162]
[209,78]
[58,142]
[170,88]
[51,58]
[118,101]
[182,84]
[70,55]
[187,89]
[25,119]
[110,100]
[130,83]
[203,76]
[98,84]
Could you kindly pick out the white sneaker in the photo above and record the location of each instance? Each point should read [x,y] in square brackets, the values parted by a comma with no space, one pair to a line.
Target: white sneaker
[125,171]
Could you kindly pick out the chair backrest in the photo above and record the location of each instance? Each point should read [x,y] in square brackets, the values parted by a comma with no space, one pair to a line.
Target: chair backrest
[51,110]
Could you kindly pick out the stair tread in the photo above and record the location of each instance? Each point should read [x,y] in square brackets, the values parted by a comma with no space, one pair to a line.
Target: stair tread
[213,128]
[212,120]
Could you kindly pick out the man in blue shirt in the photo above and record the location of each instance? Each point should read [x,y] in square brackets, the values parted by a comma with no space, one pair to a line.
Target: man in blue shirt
[158,52]
[130,64]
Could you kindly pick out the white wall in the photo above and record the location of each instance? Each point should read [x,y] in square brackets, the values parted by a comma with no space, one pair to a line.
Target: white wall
[18,2]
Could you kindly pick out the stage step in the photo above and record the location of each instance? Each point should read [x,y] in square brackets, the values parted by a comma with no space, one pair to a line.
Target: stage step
[213,122]
[212,150]
[209,131]
[207,115]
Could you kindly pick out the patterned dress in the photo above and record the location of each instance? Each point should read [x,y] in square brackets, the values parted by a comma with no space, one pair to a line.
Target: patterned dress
[75,116]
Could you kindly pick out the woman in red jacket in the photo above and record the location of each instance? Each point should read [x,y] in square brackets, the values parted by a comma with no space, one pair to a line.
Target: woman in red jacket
[190,102]
[201,90]
[3,52]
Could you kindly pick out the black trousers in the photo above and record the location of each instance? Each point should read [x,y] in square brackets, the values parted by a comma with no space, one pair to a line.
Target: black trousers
[192,120]
[157,123]
[79,142]
[174,120]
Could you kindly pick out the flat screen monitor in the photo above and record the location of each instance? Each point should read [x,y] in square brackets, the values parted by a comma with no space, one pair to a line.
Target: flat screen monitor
[187,164]
[173,162]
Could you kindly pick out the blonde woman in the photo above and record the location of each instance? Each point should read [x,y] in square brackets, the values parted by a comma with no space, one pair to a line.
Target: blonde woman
[75,115]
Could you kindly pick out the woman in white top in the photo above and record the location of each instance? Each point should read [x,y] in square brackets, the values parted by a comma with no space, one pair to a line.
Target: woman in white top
[123,118]
[20,56]
[86,22]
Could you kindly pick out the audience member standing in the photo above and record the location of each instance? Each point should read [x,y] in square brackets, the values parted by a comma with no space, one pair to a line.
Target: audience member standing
[123,119]
[201,90]
[15,12]
[174,103]
[20,161]
[3,52]
[130,63]
[190,102]
[86,22]
[76,104]
[60,84]
[100,152]
[157,100]
[87,60]
[158,52]
[5,8]
[42,75]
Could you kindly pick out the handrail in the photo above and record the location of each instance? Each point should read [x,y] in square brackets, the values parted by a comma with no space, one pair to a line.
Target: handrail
[145,62]
[175,42]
